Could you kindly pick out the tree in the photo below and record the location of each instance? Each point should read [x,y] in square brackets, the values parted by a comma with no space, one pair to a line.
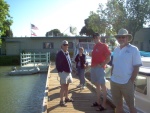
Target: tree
[8,33]
[129,14]
[93,24]
[54,32]
[138,14]
[86,31]
[5,18]
[115,15]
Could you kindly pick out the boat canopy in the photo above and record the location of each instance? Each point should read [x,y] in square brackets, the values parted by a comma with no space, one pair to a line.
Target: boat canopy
[145,54]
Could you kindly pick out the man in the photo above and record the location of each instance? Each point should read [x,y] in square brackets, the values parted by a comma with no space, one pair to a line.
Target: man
[125,66]
[63,66]
[100,57]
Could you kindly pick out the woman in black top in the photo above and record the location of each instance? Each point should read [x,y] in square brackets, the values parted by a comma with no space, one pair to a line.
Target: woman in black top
[80,60]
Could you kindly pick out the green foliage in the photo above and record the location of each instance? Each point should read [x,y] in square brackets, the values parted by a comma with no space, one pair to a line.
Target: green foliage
[5,18]
[117,14]
[54,32]
[0,42]
[9,60]
[86,31]
[138,14]
[129,14]
[8,33]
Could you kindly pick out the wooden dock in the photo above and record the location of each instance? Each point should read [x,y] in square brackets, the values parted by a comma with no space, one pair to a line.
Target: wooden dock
[83,98]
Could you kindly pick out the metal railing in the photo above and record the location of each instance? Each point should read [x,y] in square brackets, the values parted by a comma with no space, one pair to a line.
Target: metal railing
[35,58]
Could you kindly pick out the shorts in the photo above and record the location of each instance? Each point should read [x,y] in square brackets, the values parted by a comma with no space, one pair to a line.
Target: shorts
[97,75]
[65,78]
[123,90]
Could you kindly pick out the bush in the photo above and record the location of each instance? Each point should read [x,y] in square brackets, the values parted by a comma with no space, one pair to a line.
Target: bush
[9,60]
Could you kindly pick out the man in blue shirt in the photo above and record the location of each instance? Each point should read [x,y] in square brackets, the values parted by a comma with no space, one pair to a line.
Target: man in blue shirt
[125,67]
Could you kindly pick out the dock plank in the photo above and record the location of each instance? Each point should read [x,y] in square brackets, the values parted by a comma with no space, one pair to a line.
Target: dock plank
[83,98]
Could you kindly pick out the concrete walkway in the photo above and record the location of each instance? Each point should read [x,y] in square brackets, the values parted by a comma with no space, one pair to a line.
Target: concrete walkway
[83,98]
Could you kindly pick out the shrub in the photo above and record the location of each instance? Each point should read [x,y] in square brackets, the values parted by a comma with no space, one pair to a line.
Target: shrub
[9,60]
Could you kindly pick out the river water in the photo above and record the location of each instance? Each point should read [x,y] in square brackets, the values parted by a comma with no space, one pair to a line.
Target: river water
[21,94]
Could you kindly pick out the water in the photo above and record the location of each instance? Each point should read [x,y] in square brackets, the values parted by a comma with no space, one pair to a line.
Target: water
[21,94]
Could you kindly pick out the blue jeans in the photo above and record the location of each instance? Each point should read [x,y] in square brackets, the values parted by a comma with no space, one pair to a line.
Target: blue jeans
[81,75]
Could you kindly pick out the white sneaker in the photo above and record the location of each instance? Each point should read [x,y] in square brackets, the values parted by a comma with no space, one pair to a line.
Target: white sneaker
[83,87]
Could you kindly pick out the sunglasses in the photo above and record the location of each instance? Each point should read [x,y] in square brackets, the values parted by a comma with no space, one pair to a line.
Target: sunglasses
[121,37]
[65,44]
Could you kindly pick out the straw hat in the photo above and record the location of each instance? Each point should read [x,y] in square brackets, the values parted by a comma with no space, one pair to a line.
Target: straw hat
[124,32]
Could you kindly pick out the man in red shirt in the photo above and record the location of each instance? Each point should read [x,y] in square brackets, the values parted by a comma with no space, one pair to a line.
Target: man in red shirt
[100,57]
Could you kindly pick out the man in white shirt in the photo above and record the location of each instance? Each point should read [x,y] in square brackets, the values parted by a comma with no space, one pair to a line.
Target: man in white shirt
[125,67]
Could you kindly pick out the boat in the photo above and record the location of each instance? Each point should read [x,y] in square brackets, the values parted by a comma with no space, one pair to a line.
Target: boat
[142,82]
[24,71]
[142,87]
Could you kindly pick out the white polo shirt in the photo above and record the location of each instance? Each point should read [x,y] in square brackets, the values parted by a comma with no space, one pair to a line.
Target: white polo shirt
[124,61]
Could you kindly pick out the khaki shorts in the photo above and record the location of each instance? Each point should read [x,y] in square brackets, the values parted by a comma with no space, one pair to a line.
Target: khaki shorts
[123,90]
[65,78]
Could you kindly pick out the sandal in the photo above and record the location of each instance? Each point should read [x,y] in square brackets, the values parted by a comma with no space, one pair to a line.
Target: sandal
[100,108]
[95,104]
[69,100]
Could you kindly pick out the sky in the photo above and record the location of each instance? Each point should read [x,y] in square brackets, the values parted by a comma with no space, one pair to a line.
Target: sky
[49,14]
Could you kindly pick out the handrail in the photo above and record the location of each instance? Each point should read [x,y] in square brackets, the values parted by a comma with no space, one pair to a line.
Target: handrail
[26,58]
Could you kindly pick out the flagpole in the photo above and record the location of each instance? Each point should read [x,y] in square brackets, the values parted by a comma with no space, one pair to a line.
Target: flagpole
[30,30]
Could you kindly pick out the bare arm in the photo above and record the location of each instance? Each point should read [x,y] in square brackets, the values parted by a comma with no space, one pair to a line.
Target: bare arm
[134,73]
[108,58]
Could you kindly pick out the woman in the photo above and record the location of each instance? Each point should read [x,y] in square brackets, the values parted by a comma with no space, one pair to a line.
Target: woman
[80,60]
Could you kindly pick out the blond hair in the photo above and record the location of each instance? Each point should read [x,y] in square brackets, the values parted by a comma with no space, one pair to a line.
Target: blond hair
[81,48]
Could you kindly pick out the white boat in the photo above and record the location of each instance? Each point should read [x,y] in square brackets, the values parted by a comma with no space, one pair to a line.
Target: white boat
[145,68]
[142,83]
[25,71]
[142,93]
[142,87]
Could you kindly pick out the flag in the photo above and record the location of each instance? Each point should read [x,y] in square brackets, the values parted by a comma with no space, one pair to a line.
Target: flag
[73,30]
[34,27]
[32,33]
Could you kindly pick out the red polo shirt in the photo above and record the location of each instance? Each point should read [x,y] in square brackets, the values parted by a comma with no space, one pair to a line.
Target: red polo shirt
[99,54]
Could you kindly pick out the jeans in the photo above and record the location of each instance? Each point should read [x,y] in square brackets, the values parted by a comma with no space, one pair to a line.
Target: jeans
[81,75]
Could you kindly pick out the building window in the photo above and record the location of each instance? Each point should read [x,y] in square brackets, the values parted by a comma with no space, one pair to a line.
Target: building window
[141,84]
[48,45]
[70,45]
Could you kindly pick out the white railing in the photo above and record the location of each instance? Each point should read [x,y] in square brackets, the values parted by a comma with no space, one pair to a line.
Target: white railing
[35,58]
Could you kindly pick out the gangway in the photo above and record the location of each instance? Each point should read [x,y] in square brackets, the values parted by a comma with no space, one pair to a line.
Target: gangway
[30,60]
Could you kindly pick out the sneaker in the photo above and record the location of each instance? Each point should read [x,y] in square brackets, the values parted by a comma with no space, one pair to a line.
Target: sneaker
[68,100]
[80,85]
[83,87]
[62,104]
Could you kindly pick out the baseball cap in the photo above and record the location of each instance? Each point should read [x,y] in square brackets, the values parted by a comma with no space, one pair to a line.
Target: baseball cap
[64,42]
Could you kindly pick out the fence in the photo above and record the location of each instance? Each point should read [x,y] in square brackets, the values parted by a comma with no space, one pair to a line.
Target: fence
[35,58]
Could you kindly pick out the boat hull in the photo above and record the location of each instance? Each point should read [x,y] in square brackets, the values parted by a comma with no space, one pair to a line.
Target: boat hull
[25,71]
